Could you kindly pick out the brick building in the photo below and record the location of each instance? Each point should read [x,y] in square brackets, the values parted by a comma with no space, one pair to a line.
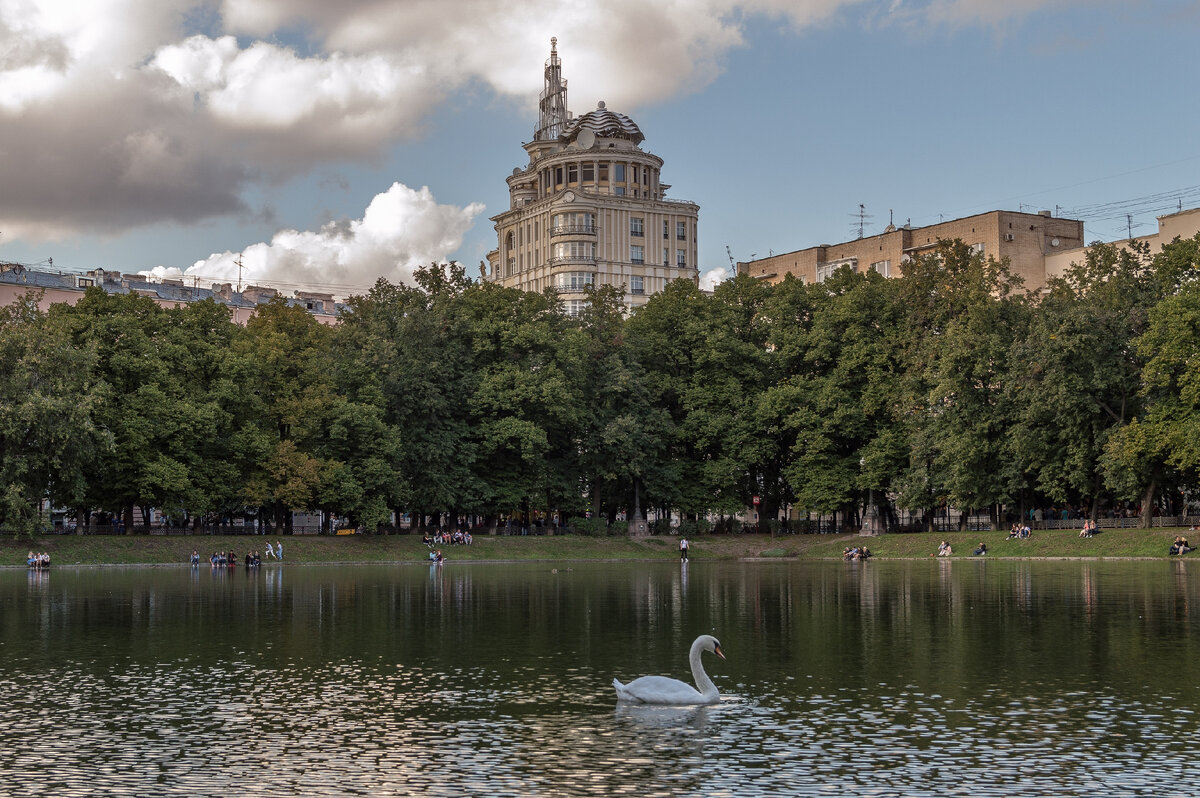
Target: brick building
[1026,239]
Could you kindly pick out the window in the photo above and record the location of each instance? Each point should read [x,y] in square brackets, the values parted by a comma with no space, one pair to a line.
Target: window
[637,285]
[512,267]
[572,173]
[637,253]
[573,223]
[574,250]
[666,256]
[619,190]
[882,266]
[681,257]
[619,172]
[573,281]
[681,231]
[575,307]
[666,229]
[977,248]
[826,270]
[589,173]
[635,226]
[603,173]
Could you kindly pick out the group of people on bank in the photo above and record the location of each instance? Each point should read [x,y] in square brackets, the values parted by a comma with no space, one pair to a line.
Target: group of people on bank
[855,553]
[1021,531]
[38,561]
[458,537]
[229,559]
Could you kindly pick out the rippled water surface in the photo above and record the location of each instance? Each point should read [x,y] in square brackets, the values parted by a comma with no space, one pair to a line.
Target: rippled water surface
[921,678]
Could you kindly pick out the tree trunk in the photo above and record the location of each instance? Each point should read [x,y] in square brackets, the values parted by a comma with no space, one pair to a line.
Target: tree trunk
[1148,505]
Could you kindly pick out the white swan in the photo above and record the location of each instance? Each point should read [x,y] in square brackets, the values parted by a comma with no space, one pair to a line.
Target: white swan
[664,690]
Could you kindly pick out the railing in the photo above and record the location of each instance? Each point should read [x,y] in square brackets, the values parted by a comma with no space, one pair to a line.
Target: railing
[563,229]
[573,259]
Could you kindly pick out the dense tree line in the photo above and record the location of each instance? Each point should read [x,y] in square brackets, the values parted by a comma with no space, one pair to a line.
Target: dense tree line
[949,386]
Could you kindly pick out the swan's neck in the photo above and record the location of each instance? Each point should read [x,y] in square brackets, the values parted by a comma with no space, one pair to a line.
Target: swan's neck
[703,683]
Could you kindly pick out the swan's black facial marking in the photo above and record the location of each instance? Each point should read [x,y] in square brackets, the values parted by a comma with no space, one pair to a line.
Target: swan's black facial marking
[717,650]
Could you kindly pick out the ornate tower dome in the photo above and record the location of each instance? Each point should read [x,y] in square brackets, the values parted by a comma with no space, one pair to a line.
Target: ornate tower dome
[606,123]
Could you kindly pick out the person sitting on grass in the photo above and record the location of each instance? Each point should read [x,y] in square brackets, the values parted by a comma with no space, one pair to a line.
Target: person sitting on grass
[1025,531]
[1180,547]
[1015,532]
[982,550]
[944,549]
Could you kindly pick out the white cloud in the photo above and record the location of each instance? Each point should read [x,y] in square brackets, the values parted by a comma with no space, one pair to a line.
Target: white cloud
[712,278]
[400,230]
[126,113]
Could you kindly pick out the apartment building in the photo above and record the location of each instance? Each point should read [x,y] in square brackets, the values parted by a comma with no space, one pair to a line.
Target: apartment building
[590,208]
[1027,240]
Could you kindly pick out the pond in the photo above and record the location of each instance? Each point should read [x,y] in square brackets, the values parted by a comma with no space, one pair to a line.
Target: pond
[880,678]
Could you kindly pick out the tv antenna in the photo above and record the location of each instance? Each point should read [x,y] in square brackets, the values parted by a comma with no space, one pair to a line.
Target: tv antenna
[239,265]
[732,265]
[863,218]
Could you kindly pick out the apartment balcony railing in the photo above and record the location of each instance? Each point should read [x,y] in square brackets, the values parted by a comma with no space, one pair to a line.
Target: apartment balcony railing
[573,229]
[566,259]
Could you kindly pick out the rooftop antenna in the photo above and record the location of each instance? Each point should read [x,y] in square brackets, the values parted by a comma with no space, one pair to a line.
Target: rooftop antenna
[239,265]
[732,265]
[1058,210]
[863,218]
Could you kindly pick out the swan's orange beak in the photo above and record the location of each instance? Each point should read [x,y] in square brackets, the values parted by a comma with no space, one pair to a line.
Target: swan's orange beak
[718,652]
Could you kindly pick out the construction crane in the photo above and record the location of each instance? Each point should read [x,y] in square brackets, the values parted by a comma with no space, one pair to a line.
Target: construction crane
[732,265]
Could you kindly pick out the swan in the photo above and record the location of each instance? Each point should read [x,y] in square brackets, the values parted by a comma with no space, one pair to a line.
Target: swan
[664,690]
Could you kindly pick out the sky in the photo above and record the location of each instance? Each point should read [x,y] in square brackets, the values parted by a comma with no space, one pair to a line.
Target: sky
[325,145]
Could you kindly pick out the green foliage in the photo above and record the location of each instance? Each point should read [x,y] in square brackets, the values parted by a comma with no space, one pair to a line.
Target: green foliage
[946,386]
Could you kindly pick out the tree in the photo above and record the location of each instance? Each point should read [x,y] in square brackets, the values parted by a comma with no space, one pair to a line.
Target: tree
[291,397]
[48,397]
[838,341]
[1077,375]
[964,313]
[1160,442]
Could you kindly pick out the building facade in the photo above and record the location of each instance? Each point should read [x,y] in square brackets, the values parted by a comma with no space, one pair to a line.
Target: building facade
[590,208]
[1182,224]
[17,280]
[1028,240]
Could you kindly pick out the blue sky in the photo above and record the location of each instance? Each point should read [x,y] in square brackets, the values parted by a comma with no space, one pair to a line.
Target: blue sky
[177,135]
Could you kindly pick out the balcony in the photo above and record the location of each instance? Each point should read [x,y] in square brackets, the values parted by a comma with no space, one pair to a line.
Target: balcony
[573,229]
[566,260]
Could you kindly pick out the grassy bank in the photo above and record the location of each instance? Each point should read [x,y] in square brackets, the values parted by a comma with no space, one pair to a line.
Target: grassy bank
[174,549]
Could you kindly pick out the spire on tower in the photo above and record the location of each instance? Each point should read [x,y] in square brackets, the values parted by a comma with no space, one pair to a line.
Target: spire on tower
[552,107]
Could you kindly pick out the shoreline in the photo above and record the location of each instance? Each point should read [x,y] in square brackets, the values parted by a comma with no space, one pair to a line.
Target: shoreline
[331,563]
[174,550]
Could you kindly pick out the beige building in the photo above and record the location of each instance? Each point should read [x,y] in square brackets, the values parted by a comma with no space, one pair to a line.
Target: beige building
[590,208]
[1028,240]
[18,280]
[1184,224]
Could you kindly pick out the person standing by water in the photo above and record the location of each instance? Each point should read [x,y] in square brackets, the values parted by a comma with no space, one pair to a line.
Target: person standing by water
[270,551]
[683,549]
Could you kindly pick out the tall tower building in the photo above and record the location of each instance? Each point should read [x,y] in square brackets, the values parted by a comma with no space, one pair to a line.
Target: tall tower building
[589,208]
